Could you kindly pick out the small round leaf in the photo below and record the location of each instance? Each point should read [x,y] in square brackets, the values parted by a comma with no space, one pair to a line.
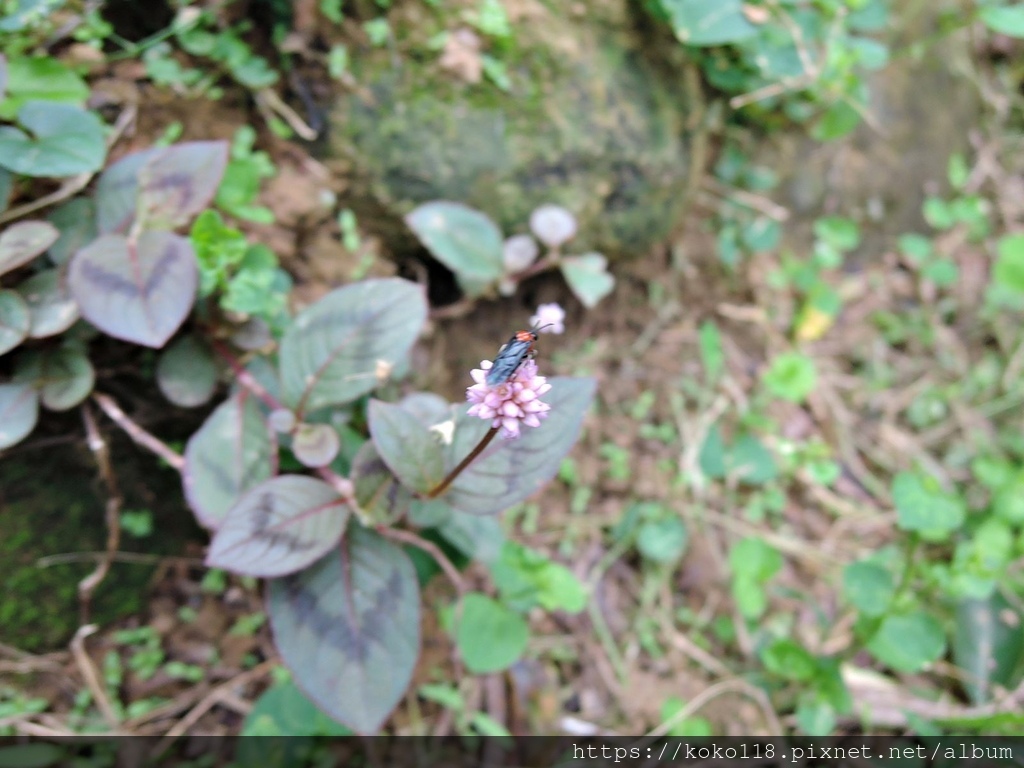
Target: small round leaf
[19,411]
[553,225]
[462,238]
[490,636]
[588,277]
[15,321]
[64,377]
[315,445]
[187,372]
[519,252]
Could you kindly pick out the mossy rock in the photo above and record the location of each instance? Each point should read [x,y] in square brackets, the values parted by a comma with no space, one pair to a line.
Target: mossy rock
[51,503]
[590,122]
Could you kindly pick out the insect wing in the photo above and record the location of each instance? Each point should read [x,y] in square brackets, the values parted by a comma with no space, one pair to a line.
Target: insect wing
[508,360]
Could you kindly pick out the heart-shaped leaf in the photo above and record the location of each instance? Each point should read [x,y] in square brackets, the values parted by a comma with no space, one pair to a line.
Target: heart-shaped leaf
[708,22]
[117,192]
[279,527]
[490,636]
[315,445]
[382,499]
[342,346]
[510,471]
[64,377]
[409,449]
[179,182]
[62,140]
[140,292]
[15,321]
[232,452]
[462,238]
[187,372]
[22,242]
[51,307]
[588,277]
[19,411]
[76,220]
[349,628]
[908,642]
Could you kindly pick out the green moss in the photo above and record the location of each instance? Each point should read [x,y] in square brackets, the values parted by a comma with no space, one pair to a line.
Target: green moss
[588,124]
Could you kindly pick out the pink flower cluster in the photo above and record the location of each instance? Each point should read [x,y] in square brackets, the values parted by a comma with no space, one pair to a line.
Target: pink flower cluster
[511,404]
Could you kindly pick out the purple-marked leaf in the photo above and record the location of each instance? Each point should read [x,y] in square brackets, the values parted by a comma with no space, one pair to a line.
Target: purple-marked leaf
[179,182]
[348,628]
[19,411]
[14,321]
[588,277]
[510,471]
[117,191]
[315,445]
[346,343]
[3,77]
[232,452]
[428,408]
[988,646]
[477,536]
[136,292]
[380,496]
[279,527]
[187,372]
[553,225]
[431,513]
[61,140]
[50,305]
[462,238]
[64,377]
[76,220]
[22,242]
[409,449]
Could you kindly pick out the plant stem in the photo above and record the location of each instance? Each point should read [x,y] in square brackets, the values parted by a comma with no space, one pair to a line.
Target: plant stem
[137,433]
[245,378]
[408,537]
[463,464]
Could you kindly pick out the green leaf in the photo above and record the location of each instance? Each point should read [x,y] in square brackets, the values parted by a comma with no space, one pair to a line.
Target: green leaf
[792,376]
[789,660]
[344,345]
[839,120]
[814,716]
[476,536]
[708,22]
[662,541]
[711,353]
[748,460]
[988,646]
[588,277]
[917,248]
[139,291]
[15,321]
[754,558]
[284,710]
[19,411]
[61,140]
[908,642]
[279,527]
[4,70]
[868,587]
[510,471]
[22,242]
[839,232]
[187,372]
[1004,19]
[76,220]
[489,636]
[1009,267]
[315,445]
[462,238]
[348,628]
[232,452]
[64,377]
[1008,503]
[526,578]
[50,305]
[922,506]
[31,78]
[411,451]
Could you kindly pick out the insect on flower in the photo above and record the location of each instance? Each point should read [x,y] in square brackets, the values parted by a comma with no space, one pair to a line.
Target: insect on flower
[512,355]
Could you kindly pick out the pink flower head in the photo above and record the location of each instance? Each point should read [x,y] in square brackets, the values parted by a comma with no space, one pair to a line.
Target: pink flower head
[512,403]
[551,315]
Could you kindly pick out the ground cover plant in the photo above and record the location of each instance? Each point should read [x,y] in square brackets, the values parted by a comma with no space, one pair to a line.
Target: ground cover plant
[762,479]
